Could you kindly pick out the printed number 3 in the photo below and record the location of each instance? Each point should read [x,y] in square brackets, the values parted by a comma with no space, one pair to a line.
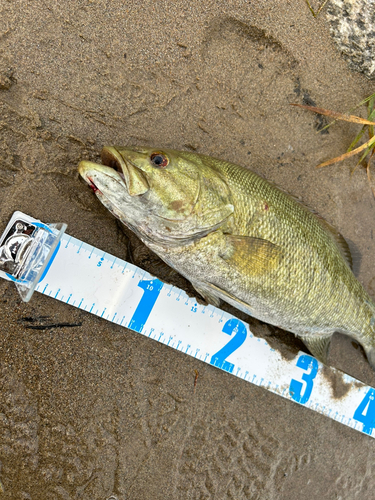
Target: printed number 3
[231,326]
[295,389]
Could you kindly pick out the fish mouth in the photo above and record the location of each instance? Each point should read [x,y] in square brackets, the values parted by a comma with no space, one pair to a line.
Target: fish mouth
[133,178]
[111,158]
[116,167]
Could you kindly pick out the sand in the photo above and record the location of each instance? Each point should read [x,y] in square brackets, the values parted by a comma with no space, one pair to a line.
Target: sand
[95,411]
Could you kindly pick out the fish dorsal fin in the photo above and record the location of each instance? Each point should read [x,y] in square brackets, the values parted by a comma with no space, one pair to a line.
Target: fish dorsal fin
[255,256]
[337,237]
[339,240]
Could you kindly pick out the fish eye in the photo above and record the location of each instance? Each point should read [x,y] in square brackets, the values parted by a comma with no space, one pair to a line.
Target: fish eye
[159,160]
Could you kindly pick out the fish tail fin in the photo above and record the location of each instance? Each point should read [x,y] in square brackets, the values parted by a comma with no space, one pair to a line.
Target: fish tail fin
[370,353]
[368,340]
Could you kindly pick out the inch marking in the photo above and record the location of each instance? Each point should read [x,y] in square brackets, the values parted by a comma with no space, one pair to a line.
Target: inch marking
[235,326]
[151,290]
[365,413]
[306,363]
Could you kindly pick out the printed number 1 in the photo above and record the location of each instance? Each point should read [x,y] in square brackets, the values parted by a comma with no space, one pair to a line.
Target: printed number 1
[368,418]
[295,388]
[151,290]
[231,326]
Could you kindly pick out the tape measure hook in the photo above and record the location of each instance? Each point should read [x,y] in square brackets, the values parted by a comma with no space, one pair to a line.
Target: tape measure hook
[27,249]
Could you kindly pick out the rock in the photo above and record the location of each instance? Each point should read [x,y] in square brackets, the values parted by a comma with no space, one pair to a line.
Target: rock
[352,25]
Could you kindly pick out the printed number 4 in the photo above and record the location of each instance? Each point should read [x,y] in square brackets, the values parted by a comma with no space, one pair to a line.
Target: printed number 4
[295,389]
[231,326]
[366,418]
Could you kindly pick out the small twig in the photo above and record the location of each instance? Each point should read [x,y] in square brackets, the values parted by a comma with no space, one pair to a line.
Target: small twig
[195,379]
[54,325]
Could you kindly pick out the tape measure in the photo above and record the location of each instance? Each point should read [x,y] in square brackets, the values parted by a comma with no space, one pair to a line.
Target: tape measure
[42,257]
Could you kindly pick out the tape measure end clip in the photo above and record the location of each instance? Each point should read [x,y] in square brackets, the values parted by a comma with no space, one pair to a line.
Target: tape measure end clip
[27,249]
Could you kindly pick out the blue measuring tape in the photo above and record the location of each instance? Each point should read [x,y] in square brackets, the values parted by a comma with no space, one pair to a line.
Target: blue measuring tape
[86,277]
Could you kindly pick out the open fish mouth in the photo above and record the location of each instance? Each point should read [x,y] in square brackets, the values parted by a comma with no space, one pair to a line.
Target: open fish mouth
[112,158]
[114,166]
[134,179]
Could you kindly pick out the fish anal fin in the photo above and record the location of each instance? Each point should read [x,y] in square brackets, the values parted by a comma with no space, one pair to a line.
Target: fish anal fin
[207,293]
[255,256]
[318,346]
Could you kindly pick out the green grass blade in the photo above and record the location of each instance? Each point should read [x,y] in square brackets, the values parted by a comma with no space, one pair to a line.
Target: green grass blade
[362,131]
[367,151]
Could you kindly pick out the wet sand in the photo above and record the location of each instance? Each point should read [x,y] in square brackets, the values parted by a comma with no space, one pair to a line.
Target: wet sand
[96,411]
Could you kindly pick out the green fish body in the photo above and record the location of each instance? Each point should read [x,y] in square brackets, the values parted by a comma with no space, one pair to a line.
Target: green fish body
[240,239]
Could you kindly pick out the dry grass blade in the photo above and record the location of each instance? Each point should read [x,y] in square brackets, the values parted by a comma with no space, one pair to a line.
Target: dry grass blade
[349,154]
[319,9]
[368,147]
[369,173]
[335,114]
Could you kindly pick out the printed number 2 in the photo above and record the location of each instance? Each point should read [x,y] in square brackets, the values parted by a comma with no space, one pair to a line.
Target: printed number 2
[151,290]
[306,363]
[231,326]
[367,419]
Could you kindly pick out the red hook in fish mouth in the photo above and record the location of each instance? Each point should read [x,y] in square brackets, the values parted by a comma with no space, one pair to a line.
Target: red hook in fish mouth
[92,185]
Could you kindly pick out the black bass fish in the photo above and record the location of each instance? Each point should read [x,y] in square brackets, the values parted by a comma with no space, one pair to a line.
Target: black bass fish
[238,238]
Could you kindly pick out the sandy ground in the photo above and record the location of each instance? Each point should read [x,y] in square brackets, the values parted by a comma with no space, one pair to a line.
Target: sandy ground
[96,411]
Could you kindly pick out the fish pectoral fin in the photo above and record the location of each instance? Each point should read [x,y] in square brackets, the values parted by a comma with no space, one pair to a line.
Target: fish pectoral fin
[318,346]
[254,256]
[207,293]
